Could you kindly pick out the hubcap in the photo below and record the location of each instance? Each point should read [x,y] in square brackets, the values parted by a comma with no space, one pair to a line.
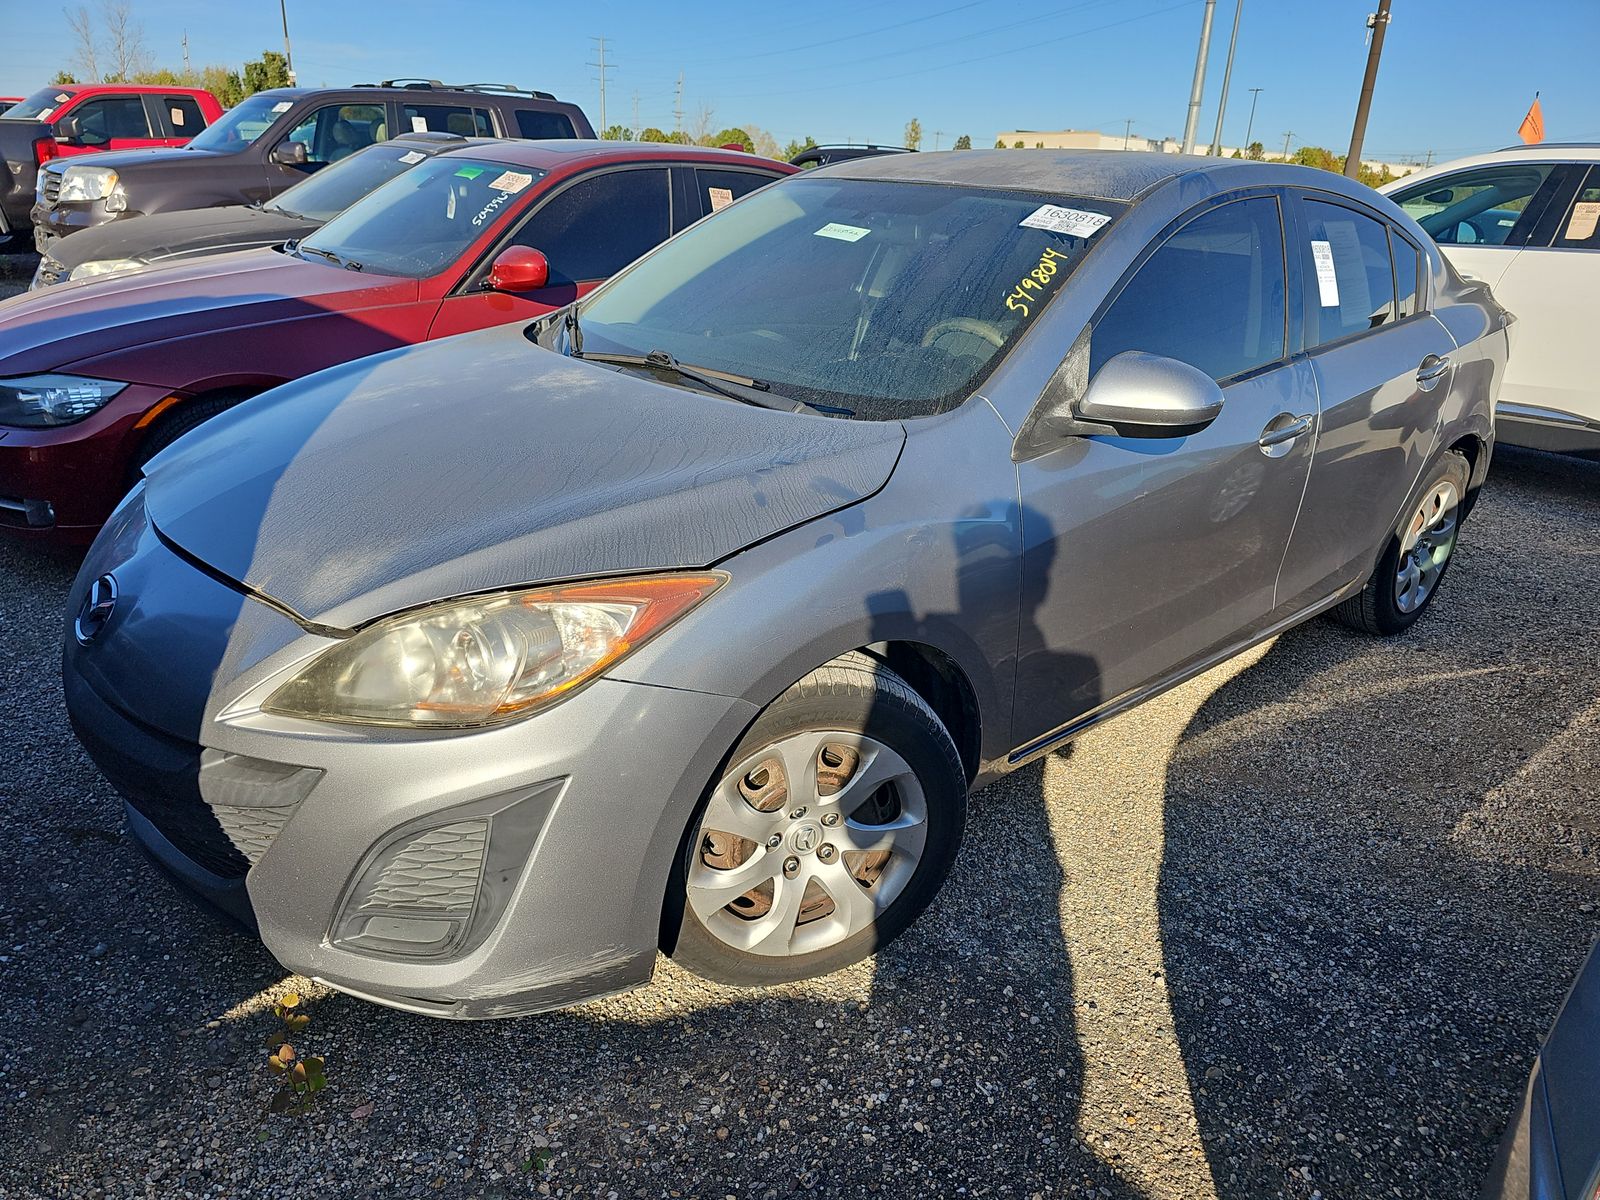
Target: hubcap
[1426,546]
[806,842]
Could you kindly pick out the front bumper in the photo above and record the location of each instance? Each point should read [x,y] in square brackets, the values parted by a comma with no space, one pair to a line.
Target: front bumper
[60,484]
[54,219]
[604,785]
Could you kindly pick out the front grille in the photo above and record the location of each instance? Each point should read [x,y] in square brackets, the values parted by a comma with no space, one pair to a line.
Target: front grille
[437,869]
[225,815]
[52,187]
[49,272]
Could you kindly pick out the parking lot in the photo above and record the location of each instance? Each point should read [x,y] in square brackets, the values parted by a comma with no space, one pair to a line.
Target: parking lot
[1293,929]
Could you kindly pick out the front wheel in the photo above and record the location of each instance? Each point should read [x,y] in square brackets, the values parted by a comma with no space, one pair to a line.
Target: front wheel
[1419,553]
[833,826]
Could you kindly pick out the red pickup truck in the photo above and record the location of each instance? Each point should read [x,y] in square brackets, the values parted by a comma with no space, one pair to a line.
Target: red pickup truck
[77,118]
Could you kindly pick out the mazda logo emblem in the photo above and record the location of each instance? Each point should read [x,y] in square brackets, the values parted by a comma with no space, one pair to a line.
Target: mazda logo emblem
[95,610]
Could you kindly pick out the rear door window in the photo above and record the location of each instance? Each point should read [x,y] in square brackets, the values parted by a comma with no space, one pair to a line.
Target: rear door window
[1211,296]
[183,115]
[542,123]
[1349,274]
[459,119]
[111,117]
[1580,226]
[719,188]
[598,225]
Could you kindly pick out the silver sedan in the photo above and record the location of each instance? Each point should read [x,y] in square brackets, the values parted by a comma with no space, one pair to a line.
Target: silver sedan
[473,674]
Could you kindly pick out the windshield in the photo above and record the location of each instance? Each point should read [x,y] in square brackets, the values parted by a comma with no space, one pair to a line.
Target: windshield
[421,222]
[39,106]
[335,188]
[243,123]
[892,300]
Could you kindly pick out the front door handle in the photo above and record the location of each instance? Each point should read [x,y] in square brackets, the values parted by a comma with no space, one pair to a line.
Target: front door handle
[1277,435]
[1432,370]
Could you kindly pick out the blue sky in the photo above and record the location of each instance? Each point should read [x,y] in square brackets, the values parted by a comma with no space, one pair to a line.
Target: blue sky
[1457,75]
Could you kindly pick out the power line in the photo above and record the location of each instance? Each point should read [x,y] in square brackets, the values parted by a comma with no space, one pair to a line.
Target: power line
[602,65]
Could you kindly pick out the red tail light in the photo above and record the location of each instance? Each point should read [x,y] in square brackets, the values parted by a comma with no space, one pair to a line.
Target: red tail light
[45,149]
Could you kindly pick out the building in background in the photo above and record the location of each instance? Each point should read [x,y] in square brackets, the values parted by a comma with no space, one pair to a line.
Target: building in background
[1091,139]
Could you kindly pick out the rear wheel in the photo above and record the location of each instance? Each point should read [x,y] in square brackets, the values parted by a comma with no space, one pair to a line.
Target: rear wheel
[1419,553]
[832,828]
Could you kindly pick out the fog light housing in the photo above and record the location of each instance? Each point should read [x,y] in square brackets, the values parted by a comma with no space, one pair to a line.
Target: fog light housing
[435,888]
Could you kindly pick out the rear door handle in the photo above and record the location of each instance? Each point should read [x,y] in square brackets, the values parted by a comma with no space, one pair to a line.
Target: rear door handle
[1271,436]
[1432,369]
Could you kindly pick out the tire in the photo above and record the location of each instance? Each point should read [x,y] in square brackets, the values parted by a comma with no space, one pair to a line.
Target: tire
[877,836]
[171,426]
[1419,553]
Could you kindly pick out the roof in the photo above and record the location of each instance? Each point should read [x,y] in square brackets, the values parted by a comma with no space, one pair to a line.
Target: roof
[554,153]
[1104,174]
[1586,152]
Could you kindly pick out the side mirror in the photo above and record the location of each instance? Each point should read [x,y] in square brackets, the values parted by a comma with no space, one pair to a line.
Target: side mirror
[290,154]
[519,269]
[1145,395]
[1133,395]
[68,130]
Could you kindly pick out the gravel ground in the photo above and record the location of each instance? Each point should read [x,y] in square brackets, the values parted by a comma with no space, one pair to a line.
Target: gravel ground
[1293,929]
[15,272]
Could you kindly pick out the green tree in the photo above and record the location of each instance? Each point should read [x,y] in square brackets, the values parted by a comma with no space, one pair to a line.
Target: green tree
[617,133]
[1315,156]
[61,77]
[227,86]
[913,134]
[652,134]
[999,143]
[271,70]
[1017,145]
[794,148]
[964,142]
[735,137]
[1255,151]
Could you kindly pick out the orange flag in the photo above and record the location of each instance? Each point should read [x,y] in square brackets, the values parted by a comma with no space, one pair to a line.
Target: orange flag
[1532,128]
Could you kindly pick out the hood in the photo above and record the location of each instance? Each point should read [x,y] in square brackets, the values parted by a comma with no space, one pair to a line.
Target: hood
[73,324]
[484,462]
[131,160]
[164,235]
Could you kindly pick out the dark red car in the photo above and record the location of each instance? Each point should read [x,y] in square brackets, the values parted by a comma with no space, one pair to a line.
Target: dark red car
[95,377]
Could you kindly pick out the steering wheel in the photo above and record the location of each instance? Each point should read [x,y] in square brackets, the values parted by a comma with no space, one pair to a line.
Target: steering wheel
[986,330]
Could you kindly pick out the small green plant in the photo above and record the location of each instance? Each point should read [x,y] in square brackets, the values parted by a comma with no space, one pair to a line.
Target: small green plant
[300,1078]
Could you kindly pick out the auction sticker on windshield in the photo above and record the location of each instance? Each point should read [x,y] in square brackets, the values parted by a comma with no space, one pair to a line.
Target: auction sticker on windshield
[511,181]
[412,157]
[844,233]
[1075,222]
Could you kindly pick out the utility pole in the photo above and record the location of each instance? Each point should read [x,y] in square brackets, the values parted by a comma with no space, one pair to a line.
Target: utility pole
[1378,23]
[1198,89]
[1429,162]
[635,129]
[288,55]
[1227,75]
[937,134]
[1255,94]
[186,74]
[1286,139]
[602,65]
[1127,132]
[677,106]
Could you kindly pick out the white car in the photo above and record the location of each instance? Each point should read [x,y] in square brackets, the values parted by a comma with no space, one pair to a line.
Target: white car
[1526,221]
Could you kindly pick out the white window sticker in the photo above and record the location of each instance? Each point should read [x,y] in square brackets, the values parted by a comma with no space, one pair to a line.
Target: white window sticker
[1585,215]
[176,114]
[419,124]
[720,197]
[63,97]
[44,114]
[1327,281]
[412,157]
[1353,293]
[283,106]
[511,181]
[842,233]
[1074,222]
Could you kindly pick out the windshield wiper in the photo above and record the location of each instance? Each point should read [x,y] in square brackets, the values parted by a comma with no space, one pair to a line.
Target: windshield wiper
[574,332]
[735,387]
[349,264]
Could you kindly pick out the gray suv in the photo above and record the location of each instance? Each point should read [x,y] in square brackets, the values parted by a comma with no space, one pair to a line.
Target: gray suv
[272,140]
[687,617]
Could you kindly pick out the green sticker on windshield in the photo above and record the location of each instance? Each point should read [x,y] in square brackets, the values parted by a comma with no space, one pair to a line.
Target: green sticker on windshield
[471,172]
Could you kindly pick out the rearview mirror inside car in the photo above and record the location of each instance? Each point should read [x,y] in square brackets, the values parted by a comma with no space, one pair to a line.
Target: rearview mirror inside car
[1442,196]
[519,269]
[290,154]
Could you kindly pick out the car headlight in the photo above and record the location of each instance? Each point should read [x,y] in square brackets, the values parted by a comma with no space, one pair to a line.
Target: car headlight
[87,183]
[41,401]
[487,659]
[104,266]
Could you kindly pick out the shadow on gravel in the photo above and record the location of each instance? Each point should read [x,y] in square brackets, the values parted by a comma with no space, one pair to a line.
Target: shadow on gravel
[1359,967]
